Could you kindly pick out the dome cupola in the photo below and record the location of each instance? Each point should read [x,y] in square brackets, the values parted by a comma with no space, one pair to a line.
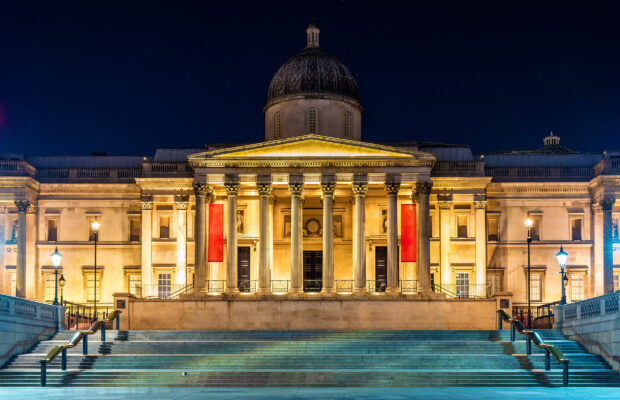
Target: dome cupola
[313,93]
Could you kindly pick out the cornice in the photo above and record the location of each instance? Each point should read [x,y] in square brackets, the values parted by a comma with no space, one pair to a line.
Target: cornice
[165,184]
[88,188]
[310,163]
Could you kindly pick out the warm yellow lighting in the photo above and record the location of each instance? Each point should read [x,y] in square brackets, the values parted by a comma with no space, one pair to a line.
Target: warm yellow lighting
[529,222]
[95,225]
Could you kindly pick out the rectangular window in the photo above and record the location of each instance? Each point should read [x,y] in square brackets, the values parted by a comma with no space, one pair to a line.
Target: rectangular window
[164,227]
[535,229]
[134,284]
[576,287]
[492,230]
[430,225]
[575,227]
[614,229]
[536,287]
[462,284]
[134,230]
[495,283]
[50,286]
[52,230]
[90,288]
[164,284]
[616,282]
[461,221]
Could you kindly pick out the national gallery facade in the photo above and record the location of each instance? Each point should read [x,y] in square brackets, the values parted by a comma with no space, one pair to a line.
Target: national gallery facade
[312,210]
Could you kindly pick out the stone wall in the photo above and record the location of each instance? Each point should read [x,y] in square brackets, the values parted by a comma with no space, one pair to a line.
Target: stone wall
[275,313]
[23,323]
[595,323]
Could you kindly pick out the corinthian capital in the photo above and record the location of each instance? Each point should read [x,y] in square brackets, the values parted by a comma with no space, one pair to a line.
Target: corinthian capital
[392,187]
[201,189]
[423,187]
[232,189]
[360,188]
[22,205]
[264,188]
[607,203]
[480,204]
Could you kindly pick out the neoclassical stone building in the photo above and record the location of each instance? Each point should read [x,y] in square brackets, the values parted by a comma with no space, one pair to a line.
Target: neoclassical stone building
[312,210]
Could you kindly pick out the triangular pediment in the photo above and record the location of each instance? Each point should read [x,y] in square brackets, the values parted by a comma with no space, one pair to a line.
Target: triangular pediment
[310,146]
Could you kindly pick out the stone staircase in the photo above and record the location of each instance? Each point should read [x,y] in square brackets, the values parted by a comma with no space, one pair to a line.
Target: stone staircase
[308,358]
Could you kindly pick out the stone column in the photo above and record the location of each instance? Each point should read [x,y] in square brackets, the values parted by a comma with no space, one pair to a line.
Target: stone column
[422,191]
[232,189]
[145,244]
[296,187]
[20,277]
[392,188]
[181,233]
[444,241]
[328,186]
[359,248]
[264,261]
[200,236]
[481,248]
[596,235]
[608,246]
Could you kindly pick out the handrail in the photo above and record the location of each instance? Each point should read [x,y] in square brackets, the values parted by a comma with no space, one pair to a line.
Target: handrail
[75,339]
[533,336]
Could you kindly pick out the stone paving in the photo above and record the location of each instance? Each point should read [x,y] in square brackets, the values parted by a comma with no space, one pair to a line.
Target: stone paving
[155,393]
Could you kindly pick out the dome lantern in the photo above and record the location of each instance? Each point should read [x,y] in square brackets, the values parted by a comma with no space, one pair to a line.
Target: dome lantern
[312,33]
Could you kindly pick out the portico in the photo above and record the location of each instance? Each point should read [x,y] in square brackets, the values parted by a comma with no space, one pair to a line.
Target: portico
[308,206]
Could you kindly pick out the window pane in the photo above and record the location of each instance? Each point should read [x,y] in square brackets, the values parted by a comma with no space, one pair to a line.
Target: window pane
[536,287]
[535,230]
[495,283]
[492,230]
[164,283]
[90,288]
[576,229]
[135,284]
[576,287]
[615,282]
[50,284]
[462,284]
[462,226]
[164,227]
[52,230]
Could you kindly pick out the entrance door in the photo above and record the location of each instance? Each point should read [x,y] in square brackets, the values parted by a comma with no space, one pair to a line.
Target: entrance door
[380,268]
[313,271]
[243,269]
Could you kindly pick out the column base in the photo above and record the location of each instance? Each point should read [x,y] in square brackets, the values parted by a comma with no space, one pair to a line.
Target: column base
[360,290]
[296,290]
[263,290]
[232,291]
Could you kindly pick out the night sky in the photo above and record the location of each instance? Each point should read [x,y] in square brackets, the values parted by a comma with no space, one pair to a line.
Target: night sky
[128,77]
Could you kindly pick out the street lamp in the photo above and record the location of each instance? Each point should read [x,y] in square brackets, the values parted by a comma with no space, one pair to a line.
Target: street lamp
[61,282]
[562,257]
[56,259]
[95,226]
[528,224]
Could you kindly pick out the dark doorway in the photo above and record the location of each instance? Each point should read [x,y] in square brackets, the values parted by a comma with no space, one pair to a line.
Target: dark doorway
[380,268]
[243,269]
[433,281]
[313,271]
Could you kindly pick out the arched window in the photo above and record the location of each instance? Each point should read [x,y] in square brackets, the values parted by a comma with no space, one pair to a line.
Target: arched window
[346,124]
[277,125]
[311,120]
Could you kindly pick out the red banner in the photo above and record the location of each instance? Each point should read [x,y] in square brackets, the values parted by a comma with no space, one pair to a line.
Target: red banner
[215,251]
[408,233]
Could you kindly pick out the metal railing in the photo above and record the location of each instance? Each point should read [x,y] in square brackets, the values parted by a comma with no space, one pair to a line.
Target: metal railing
[344,286]
[376,285]
[408,286]
[80,316]
[531,336]
[247,285]
[280,286]
[99,325]
[471,291]
[215,286]
[313,285]
[184,290]
[156,291]
[544,315]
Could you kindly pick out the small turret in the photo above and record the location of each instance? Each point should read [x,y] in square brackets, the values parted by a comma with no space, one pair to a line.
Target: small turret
[551,140]
[312,32]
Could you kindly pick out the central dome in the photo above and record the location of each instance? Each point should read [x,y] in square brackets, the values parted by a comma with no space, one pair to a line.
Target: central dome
[313,93]
[313,71]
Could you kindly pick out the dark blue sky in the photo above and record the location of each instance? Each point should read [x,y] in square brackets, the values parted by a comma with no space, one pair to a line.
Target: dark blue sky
[129,77]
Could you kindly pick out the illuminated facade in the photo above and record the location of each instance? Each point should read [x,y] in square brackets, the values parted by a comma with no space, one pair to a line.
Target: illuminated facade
[313,209]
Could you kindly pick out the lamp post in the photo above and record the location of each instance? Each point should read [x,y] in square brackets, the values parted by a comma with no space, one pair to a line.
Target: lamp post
[562,257]
[61,282]
[95,226]
[56,259]
[528,225]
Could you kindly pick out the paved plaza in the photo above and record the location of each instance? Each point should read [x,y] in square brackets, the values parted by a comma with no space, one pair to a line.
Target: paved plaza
[155,393]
